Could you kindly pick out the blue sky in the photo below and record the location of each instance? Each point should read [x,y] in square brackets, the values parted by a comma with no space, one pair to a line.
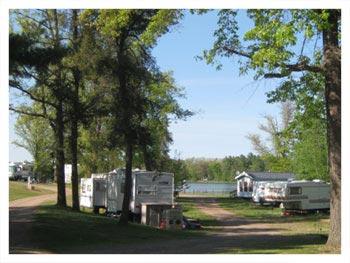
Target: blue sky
[228,106]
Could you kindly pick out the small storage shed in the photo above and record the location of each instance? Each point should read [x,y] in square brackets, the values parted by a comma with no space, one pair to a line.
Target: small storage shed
[164,216]
[246,181]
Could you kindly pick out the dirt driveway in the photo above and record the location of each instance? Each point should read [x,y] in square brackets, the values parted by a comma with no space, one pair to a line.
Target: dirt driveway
[231,225]
[21,214]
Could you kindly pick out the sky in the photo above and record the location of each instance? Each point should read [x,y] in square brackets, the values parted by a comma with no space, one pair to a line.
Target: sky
[227,106]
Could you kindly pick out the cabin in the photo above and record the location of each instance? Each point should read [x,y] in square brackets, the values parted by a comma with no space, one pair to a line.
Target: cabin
[247,181]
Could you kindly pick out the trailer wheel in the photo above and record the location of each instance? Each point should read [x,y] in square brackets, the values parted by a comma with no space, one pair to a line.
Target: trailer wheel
[96,210]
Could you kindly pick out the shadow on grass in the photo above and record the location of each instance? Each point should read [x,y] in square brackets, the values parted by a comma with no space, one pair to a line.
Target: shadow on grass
[261,244]
[56,229]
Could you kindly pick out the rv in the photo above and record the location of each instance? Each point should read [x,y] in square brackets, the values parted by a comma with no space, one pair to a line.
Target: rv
[107,190]
[299,195]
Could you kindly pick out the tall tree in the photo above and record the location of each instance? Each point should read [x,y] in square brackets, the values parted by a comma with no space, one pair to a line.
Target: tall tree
[277,47]
[280,148]
[76,109]
[130,35]
[38,60]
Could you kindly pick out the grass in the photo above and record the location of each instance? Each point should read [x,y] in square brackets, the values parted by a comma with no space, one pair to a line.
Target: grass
[245,208]
[301,234]
[298,246]
[63,230]
[191,211]
[18,190]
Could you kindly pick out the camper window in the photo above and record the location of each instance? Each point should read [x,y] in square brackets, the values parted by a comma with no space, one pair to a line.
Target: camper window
[88,188]
[295,190]
[122,186]
[142,190]
[83,188]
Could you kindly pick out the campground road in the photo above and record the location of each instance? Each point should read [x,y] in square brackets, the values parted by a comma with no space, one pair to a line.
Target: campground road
[21,214]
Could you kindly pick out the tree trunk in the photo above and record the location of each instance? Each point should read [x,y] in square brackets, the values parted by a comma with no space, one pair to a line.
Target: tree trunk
[74,120]
[147,159]
[59,157]
[74,153]
[127,188]
[332,65]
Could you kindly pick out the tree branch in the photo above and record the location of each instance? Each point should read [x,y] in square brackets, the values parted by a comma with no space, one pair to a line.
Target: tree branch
[33,114]
[18,87]
[297,67]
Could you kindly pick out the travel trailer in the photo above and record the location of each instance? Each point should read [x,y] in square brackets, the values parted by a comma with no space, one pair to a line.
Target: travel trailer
[299,195]
[107,190]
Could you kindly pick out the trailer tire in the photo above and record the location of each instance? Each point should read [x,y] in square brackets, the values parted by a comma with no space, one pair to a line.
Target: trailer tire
[96,210]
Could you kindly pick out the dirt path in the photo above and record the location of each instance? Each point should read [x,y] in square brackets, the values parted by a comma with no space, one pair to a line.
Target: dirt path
[232,225]
[21,213]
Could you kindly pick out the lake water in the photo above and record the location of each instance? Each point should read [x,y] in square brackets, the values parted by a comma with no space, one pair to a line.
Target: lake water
[195,187]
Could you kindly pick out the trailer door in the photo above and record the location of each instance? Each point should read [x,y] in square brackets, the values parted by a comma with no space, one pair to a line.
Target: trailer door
[100,187]
[86,193]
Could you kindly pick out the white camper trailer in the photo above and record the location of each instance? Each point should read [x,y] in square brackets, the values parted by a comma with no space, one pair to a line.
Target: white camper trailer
[299,195]
[107,190]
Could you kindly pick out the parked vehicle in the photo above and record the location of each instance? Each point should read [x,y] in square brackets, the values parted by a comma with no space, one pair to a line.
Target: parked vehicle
[107,190]
[20,171]
[299,195]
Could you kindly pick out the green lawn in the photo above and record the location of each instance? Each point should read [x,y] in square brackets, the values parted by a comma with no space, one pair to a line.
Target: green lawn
[18,190]
[191,211]
[245,208]
[64,231]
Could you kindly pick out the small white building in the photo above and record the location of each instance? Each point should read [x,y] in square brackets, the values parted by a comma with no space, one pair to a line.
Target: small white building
[247,181]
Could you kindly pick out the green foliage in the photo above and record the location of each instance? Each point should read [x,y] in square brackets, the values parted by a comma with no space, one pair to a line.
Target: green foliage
[95,154]
[35,135]
[309,159]
[222,170]
[278,40]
